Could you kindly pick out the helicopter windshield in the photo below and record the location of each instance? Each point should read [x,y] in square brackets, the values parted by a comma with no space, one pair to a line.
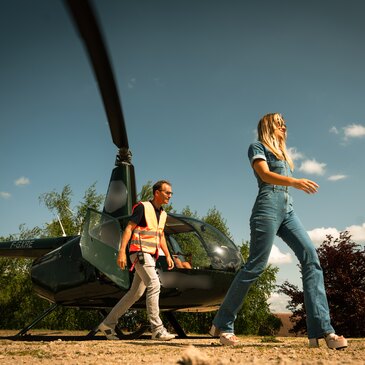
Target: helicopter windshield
[200,245]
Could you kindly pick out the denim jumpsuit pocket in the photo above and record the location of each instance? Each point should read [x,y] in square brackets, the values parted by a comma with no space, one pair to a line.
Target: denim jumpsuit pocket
[276,166]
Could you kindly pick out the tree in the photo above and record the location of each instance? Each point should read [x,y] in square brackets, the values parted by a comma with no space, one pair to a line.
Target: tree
[17,300]
[214,218]
[343,264]
[69,222]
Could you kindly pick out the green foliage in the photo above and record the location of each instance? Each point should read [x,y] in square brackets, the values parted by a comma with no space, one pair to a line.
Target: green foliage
[214,218]
[343,264]
[14,284]
[67,221]
[146,192]
[195,322]
[92,200]
[59,204]
[189,213]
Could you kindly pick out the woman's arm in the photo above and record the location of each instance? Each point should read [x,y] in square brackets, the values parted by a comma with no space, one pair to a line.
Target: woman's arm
[262,169]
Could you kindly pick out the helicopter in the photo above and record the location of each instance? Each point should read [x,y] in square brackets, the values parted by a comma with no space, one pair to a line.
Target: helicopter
[81,271]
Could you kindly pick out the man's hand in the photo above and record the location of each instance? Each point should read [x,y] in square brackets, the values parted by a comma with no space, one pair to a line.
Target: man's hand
[170,263]
[122,260]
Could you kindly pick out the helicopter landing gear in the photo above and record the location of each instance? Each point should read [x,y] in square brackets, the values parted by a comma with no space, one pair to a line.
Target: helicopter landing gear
[175,324]
[38,319]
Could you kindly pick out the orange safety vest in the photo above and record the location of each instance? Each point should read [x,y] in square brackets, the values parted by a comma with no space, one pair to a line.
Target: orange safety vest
[148,238]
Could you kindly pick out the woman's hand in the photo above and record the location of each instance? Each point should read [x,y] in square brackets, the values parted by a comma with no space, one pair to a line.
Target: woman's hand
[308,186]
[262,169]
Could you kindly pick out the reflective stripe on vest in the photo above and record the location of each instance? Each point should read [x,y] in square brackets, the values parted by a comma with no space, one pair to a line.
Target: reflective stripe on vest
[148,237]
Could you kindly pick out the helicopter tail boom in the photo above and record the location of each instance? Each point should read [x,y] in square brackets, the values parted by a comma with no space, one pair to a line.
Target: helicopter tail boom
[32,248]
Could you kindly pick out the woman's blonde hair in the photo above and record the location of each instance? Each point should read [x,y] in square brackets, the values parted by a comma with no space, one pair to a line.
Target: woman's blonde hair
[265,130]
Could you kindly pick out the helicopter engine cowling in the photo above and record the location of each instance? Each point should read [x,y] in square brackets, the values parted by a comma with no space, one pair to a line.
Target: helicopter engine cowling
[121,194]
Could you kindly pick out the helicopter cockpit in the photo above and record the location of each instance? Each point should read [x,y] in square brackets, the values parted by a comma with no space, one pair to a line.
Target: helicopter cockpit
[201,244]
[193,244]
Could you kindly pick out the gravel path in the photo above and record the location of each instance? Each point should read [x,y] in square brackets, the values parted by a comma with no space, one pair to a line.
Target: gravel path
[61,348]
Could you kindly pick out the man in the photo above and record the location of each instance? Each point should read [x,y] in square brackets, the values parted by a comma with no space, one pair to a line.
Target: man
[145,232]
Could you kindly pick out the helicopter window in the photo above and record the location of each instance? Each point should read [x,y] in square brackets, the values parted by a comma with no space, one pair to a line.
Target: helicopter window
[185,244]
[209,247]
[221,249]
[103,228]
[181,259]
[191,248]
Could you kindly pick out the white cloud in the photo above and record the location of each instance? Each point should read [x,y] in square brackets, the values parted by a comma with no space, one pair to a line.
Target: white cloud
[22,181]
[5,195]
[312,167]
[337,177]
[278,303]
[357,232]
[334,130]
[354,131]
[294,154]
[318,235]
[277,257]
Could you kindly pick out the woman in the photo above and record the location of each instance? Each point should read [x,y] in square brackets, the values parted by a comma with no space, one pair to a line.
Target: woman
[273,215]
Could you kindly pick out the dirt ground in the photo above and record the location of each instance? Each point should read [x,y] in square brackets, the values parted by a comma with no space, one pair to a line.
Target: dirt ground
[55,347]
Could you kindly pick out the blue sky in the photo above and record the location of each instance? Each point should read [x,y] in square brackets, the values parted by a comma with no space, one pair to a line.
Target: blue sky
[194,78]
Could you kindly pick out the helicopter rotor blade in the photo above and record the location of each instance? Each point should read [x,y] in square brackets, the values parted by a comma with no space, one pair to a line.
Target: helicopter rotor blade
[85,20]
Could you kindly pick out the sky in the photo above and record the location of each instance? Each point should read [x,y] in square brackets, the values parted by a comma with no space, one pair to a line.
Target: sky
[194,79]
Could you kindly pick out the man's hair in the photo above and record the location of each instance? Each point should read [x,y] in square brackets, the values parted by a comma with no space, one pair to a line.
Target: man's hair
[158,185]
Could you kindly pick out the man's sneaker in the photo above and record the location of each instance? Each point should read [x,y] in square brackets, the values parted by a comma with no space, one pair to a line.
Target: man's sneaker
[162,335]
[108,331]
[214,331]
[228,339]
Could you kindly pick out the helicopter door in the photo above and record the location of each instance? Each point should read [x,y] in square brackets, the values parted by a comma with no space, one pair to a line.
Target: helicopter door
[100,245]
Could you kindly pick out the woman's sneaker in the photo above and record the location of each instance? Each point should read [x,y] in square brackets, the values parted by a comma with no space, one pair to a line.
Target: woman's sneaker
[162,335]
[228,339]
[109,332]
[333,341]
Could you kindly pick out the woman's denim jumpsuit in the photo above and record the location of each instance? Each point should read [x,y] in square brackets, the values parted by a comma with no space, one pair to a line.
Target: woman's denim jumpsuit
[273,215]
